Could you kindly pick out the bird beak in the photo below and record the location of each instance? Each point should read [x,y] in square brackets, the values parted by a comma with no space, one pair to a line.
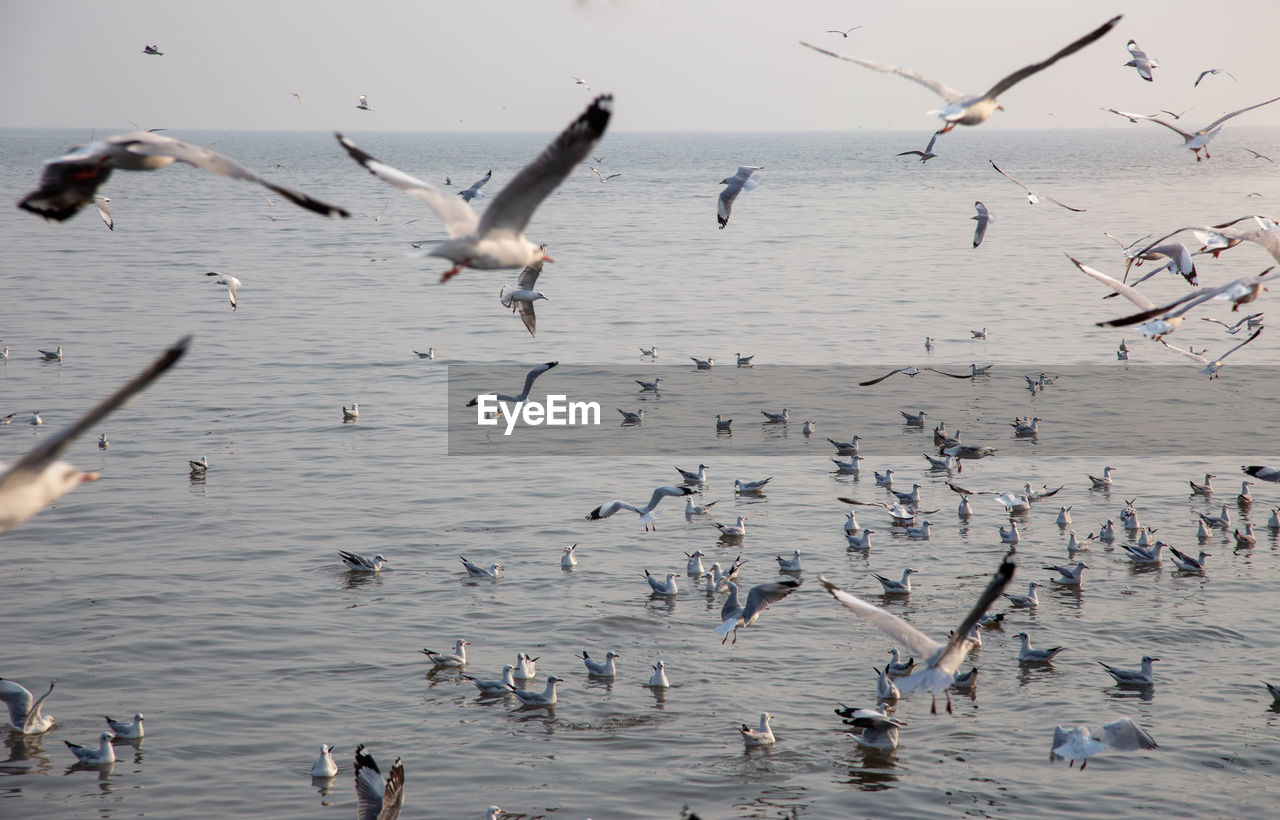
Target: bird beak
[546,258]
[90,476]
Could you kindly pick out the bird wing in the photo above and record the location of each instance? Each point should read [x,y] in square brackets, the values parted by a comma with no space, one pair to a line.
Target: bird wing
[37,460]
[1115,284]
[663,492]
[512,208]
[1225,117]
[19,701]
[370,789]
[1174,128]
[105,213]
[459,217]
[928,149]
[761,595]
[1130,118]
[532,376]
[1195,357]
[958,645]
[144,143]
[1255,335]
[1123,735]
[882,378]
[1071,48]
[606,510]
[1009,177]
[528,316]
[984,218]
[888,623]
[529,276]
[941,89]
[945,373]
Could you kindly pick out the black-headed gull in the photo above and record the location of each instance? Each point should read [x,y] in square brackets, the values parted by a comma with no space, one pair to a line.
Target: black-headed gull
[455,659]
[845,33]
[658,679]
[1032,197]
[377,799]
[898,668]
[351,413]
[1133,677]
[654,386]
[430,354]
[914,371]
[734,185]
[473,192]
[546,697]
[598,669]
[1027,654]
[325,765]
[477,571]
[665,587]
[886,689]
[25,716]
[940,660]
[104,755]
[580,81]
[51,355]
[740,486]
[69,182]
[128,729]
[1029,600]
[105,212]
[199,468]
[758,737]
[1262,472]
[1083,741]
[1198,141]
[521,298]
[776,418]
[925,155]
[362,563]
[646,512]
[363,105]
[494,687]
[496,239]
[698,509]
[1070,576]
[631,418]
[103,441]
[38,479]
[1212,367]
[568,560]
[704,364]
[231,282]
[1209,71]
[723,425]
[603,177]
[694,477]
[529,379]
[1139,60]
[735,615]
[984,218]
[791,564]
[892,587]
[879,731]
[152,50]
[967,109]
[1186,563]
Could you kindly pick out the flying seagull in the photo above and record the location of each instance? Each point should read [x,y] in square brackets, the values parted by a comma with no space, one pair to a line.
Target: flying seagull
[925,155]
[1212,368]
[645,512]
[38,478]
[69,182]
[473,192]
[155,50]
[580,82]
[521,298]
[1032,196]
[603,177]
[1080,742]
[845,33]
[737,616]
[363,105]
[940,660]
[105,212]
[232,284]
[734,185]
[914,371]
[529,379]
[966,109]
[1211,71]
[1139,60]
[496,240]
[1198,141]
[984,218]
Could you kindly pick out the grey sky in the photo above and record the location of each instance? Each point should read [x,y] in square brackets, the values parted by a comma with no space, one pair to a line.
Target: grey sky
[674,65]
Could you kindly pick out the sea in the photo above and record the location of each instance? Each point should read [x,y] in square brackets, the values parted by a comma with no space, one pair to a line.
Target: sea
[217,604]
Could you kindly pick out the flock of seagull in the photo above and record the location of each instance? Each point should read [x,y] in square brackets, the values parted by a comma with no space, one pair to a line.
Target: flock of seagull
[495,240]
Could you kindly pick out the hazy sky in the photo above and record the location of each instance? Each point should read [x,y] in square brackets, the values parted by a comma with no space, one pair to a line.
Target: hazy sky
[674,65]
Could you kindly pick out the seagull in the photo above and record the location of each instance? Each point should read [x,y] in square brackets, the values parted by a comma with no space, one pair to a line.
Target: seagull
[1247,323]
[897,668]
[1140,61]
[1274,690]
[103,443]
[1084,740]
[733,530]
[603,178]
[699,477]
[892,587]
[1244,499]
[325,765]
[1074,545]
[776,418]
[667,587]
[851,467]
[1028,429]
[723,425]
[965,109]
[925,155]
[526,667]
[923,531]
[375,799]
[363,105]
[791,564]
[886,689]
[1032,197]
[38,479]
[494,687]
[758,737]
[979,334]
[473,191]
[632,418]
[104,755]
[36,421]
[735,615]
[51,355]
[703,364]
[457,658]
[430,354]
[362,563]
[1133,677]
[231,282]
[965,509]
[1212,368]
[658,680]
[1208,71]
[546,697]
[580,82]
[1145,555]
[911,498]
[1064,516]
[698,509]
[878,730]
[735,185]
[914,371]
[984,218]
[105,212]
[25,716]
[1246,539]
[529,379]
[1198,141]
[651,352]
[1186,563]
[1263,473]
[295,94]
[1029,655]
[740,486]
[1070,576]
[1104,481]
[845,33]
[846,448]
[521,298]
[69,182]
[596,669]
[1010,535]
[131,729]
[1256,155]
[808,427]
[941,660]
[884,479]
[1028,600]
[199,467]
[1203,489]
[646,513]
[1131,118]
[496,239]
[859,542]
[568,560]
[694,568]
[916,419]
[476,571]
[351,413]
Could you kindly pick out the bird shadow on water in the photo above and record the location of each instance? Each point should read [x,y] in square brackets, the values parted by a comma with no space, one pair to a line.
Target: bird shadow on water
[26,748]
[1145,693]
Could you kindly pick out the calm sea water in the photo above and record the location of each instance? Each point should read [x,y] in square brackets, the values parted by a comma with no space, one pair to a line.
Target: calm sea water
[218,606]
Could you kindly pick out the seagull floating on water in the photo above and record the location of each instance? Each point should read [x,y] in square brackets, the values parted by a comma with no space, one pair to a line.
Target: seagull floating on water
[1028,655]
[494,687]
[1069,576]
[596,669]
[658,679]
[546,697]
[1133,677]
[325,766]
[740,486]
[898,668]
[733,530]
[1029,600]
[351,413]
[1186,563]
[892,587]
[476,571]
[703,364]
[667,587]
[104,755]
[51,355]
[455,659]
[128,729]
[758,737]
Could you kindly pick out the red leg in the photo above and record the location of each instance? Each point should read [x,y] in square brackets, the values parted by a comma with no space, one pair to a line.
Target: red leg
[457,268]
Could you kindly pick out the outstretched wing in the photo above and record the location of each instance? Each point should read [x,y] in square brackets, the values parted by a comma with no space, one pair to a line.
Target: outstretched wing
[529,276]
[1225,117]
[459,218]
[1071,48]
[1116,285]
[888,623]
[1123,735]
[941,89]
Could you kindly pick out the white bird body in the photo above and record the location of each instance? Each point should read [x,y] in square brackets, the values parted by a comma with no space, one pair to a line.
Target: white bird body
[1103,481]
[703,364]
[734,185]
[1133,677]
[104,755]
[477,571]
[698,476]
[667,587]
[1186,563]
[546,697]
[658,679]
[1140,61]
[1028,655]
[1064,516]
[25,715]
[1028,600]
[496,239]
[596,669]
[735,616]
[377,799]
[1068,575]
[231,282]
[851,523]
[791,564]
[759,737]
[455,659]
[495,687]
[128,729]
[846,448]
[1198,141]
[886,689]
[734,530]
[526,667]
[1083,741]
[568,560]
[646,512]
[325,766]
[776,418]
[892,587]
[691,509]
[859,542]
[520,299]
[362,563]
[1010,535]
[351,413]
[740,486]
[851,467]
